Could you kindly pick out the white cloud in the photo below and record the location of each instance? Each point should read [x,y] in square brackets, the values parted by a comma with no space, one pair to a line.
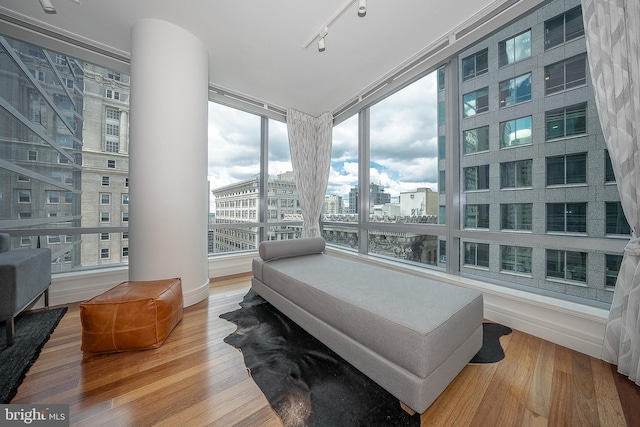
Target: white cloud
[403,144]
[403,141]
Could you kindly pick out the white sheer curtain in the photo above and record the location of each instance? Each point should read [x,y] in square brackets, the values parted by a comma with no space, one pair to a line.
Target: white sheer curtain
[612,30]
[310,145]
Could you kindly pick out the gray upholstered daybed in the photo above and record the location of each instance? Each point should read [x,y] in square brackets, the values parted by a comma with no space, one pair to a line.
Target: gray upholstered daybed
[411,335]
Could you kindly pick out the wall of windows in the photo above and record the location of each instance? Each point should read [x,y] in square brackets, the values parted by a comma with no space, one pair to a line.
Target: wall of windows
[525,132]
[478,168]
[63,162]
[340,213]
[253,191]
[403,174]
[234,179]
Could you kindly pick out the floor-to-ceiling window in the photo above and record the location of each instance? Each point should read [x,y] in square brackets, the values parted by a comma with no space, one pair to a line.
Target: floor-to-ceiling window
[64,155]
[340,212]
[521,135]
[283,203]
[526,197]
[253,191]
[536,205]
[234,179]
[403,173]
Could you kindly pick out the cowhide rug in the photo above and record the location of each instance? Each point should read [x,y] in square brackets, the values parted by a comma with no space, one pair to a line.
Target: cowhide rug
[306,383]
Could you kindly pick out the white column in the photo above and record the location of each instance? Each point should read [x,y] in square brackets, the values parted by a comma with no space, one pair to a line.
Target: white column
[168,209]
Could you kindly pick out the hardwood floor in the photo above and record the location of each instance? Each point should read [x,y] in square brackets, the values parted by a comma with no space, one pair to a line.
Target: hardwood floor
[196,379]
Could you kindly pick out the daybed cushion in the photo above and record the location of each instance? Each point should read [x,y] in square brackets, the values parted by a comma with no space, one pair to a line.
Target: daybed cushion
[290,248]
[414,322]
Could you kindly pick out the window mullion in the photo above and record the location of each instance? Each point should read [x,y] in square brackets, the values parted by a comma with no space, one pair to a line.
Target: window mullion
[264,177]
[364,161]
[452,166]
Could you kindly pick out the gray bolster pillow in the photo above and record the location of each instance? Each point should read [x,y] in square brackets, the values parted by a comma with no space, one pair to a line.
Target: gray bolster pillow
[290,248]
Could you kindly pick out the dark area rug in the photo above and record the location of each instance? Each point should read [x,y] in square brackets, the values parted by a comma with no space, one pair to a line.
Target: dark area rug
[32,331]
[306,383]
[491,351]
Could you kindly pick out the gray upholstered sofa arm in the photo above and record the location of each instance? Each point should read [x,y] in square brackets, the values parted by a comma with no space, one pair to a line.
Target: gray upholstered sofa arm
[5,242]
[25,274]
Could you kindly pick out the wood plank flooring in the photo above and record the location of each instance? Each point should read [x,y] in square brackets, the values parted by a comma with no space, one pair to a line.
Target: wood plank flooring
[196,379]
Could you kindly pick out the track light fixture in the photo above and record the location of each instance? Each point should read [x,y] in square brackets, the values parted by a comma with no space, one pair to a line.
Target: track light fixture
[318,37]
[321,37]
[47,6]
[362,7]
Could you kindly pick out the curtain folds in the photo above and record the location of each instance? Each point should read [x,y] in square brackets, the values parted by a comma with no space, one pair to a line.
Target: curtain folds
[612,31]
[310,146]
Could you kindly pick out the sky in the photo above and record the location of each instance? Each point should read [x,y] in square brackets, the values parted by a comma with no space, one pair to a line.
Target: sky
[403,144]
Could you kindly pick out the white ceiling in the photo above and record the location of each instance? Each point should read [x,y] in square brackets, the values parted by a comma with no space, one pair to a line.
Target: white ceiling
[256,46]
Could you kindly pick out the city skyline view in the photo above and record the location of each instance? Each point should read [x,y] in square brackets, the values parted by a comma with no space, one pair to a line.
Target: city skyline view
[403,149]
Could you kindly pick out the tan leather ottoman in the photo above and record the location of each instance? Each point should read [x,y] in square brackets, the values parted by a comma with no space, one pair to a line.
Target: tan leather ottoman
[135,315]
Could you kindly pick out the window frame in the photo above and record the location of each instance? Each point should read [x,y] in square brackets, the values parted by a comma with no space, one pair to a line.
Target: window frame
[569,221]
[24,195]
[561,22]
[477,262]
[481,137]
[562,259]
[517,174]
[518,209]
[482,174]
[481,217]
[566,111]
[514,123]
[607,276]
[562,70]
[619,215]
[508,91]
[517,255]
[484,92]
[482,55]
[502,49]
[566,159]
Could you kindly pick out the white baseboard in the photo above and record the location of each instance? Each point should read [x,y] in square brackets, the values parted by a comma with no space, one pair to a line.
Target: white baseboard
[576,326]
[82,285]
[229,265]
[579,329]
[194,296]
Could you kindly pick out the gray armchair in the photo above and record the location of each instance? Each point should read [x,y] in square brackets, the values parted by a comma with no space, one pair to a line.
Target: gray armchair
[25,274]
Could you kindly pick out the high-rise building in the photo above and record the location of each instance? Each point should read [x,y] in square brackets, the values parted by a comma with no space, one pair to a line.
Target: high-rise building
[353,200]
[333,205]
[239,202]
[67,143]
[422,201]
[528,133]
[41,135]
[377,196]
[105,175]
